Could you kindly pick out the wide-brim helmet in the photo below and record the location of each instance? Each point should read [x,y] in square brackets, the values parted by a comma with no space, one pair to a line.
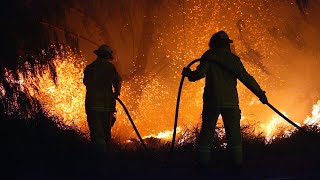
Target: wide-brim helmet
[220,36]
[104,51]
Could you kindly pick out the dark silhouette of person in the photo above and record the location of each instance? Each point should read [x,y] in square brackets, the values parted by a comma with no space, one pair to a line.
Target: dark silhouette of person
[222,68]
[103,84]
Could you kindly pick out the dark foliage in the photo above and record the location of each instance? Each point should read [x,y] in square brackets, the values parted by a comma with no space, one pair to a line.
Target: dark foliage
[40,148]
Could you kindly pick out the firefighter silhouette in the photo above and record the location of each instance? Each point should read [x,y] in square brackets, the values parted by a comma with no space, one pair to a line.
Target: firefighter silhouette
[103,84]
[221,68]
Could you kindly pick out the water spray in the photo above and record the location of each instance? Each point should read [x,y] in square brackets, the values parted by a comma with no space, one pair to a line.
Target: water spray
[132,123]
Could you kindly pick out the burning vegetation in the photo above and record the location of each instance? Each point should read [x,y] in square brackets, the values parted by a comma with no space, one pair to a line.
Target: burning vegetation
[65,100]
[271,38]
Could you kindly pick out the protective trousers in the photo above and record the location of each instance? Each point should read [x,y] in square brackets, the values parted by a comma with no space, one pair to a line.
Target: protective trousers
[100,129]
[231,119]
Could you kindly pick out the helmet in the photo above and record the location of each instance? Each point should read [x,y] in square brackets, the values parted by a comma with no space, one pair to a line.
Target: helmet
[104,51]
[220,36]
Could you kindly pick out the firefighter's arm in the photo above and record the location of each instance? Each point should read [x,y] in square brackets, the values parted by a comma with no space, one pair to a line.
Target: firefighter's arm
[117,81]
[251,83]
[199,73]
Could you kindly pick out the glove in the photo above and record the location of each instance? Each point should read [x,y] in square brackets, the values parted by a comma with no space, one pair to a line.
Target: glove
[262,97]
[186,71]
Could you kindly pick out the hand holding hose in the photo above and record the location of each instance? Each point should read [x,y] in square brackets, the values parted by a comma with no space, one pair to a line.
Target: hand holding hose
[186,71]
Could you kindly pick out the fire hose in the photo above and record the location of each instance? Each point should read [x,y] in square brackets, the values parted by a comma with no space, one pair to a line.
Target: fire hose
[137,132]
[287,119]
[178,104]
[132,123]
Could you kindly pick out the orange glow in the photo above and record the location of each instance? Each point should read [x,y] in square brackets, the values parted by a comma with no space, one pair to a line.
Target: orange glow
[314,120]
[166,135]
[277,127]
[264,29]
[66,100]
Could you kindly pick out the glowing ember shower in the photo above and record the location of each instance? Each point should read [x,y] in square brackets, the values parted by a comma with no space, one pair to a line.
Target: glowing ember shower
[277,46]
[66,100]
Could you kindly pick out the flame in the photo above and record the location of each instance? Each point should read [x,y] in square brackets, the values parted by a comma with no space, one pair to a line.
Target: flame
[153,108]
[277,127]
[165,135]
[314,120]
[66,101]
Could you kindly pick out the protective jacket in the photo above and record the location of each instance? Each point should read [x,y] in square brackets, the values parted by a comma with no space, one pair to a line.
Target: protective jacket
[222,68]
[99,78]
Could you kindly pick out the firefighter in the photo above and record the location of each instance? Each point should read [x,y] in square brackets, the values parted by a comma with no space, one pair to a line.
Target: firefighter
[221,68]
[103,84]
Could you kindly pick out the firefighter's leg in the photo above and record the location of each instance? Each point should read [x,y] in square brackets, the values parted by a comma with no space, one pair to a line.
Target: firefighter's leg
[204,141]
[106,124]
[92,123]
[231,119]
[95,119]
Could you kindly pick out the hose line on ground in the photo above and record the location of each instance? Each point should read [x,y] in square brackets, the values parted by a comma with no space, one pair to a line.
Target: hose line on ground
[132,123]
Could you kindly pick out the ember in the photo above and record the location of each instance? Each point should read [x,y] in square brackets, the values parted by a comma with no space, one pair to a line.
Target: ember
[258,28]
